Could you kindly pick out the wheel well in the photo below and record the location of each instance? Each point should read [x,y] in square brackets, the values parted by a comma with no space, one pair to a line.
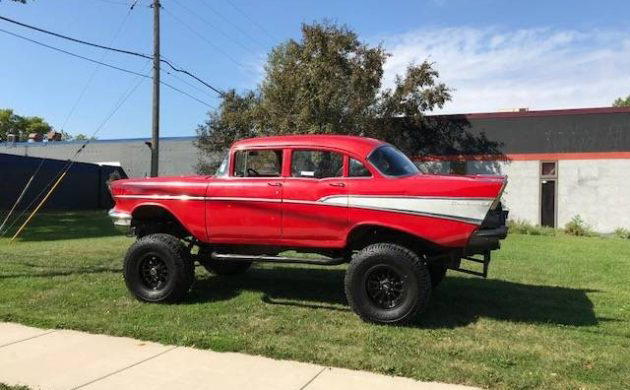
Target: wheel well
[362,236]
[151,219]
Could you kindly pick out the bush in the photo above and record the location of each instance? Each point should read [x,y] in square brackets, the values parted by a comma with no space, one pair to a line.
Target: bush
[577,227]
[520,226]
[622,233]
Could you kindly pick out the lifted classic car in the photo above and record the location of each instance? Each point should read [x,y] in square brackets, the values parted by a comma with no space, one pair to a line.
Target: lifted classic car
[347,199]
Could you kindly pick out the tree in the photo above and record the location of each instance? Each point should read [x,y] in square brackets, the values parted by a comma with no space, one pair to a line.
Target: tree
[11,123]
[327,83]
[81,137]
[621,102]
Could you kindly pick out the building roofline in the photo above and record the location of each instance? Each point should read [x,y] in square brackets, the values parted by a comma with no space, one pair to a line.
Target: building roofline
[537,113]
[97,141]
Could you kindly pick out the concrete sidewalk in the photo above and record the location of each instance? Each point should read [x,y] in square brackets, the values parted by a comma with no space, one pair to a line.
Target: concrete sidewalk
[62,359]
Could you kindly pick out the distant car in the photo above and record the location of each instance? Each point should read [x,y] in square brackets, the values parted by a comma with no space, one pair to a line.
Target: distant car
[348,199]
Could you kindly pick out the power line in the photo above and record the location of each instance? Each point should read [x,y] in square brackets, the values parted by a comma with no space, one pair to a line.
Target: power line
[70,53]
[203,38]
[228,21]
[189,95]
[103,64]
[75,39]
[115,2]
[251,20]
[141,55]
[204,20]
[191,85]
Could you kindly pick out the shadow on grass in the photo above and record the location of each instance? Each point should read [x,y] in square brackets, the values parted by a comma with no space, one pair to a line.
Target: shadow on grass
[65,226]
[457,302]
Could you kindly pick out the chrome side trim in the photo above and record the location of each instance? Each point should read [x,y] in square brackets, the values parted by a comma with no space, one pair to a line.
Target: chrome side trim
[170,184]
[406,197]
[243,199]
[162,197]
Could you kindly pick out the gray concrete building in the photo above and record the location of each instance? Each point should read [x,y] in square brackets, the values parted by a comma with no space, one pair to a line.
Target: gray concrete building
[560,163]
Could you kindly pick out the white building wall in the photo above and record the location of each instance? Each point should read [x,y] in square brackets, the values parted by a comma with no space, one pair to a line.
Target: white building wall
[522,194]
[597,190]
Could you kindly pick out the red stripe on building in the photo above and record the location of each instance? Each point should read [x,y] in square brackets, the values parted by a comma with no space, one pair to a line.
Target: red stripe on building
[528,157]
[535,113]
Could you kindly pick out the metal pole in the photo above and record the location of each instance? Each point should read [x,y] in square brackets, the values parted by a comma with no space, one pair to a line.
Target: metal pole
[155,133]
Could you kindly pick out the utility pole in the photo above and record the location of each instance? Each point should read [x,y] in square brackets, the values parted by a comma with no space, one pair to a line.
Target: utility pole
[155,133]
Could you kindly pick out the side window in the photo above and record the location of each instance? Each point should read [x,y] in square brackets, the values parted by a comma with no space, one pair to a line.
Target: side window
[258,163]
[316,164]
[458,167]
[357,169]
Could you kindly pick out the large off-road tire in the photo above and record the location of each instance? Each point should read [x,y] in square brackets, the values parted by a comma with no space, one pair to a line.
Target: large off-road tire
[387,283]
[158,268]
[437,272]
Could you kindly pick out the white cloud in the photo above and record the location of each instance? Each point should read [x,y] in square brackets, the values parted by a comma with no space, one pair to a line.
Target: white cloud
[540,68]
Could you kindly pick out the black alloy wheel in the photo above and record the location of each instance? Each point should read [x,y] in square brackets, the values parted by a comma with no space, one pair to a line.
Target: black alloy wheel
[153,271]
[385,287]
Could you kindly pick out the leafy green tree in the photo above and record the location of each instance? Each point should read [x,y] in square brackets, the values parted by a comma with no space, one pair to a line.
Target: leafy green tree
[327,83]
[81,137]
[621,102]
[13,123]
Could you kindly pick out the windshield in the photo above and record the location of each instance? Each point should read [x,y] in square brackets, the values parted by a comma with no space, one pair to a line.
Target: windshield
[392,162]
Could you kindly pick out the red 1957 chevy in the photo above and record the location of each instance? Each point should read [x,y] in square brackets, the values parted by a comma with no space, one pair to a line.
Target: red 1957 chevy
[347,199]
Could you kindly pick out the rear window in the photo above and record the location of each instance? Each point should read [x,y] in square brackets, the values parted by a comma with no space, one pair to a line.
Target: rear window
[392,162]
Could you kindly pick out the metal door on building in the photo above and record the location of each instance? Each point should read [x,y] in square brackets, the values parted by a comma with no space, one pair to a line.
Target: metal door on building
[548,190]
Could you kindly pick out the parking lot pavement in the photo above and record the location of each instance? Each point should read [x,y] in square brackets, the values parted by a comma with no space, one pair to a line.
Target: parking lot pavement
[62,359]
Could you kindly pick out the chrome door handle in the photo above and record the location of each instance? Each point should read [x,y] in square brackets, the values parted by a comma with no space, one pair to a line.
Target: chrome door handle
[275,184]
[336,184]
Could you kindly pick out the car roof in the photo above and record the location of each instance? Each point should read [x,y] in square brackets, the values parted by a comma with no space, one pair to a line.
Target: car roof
[356,144]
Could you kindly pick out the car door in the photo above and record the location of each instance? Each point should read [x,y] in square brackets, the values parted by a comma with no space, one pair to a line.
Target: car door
[315,198]
[246,205]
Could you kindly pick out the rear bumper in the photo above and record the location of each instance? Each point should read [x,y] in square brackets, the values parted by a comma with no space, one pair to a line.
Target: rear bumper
[486,239]
[121,220]
[492,230]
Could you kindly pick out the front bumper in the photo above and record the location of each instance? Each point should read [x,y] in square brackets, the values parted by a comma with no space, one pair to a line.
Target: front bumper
[122,220]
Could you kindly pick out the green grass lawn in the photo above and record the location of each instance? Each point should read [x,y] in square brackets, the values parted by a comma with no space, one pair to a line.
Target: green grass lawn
[555,312]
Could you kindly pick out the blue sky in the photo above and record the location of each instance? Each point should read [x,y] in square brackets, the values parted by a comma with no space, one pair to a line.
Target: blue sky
[495,54]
